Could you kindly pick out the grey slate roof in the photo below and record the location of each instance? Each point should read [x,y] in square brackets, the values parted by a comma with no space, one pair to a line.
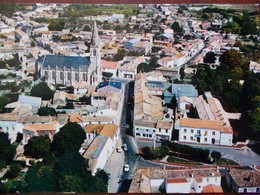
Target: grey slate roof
[76,62]
[115,84]
[30,100]
[186,90]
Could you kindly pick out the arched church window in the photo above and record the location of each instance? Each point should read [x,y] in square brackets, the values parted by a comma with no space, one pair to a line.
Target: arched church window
[61,75]
[46,74]
[84,76]
[69,76]
[77,76]
[53,75]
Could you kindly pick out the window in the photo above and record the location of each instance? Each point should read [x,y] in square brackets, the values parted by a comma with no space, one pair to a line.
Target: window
[191,131]
[77,76]
[207,179]
[160,130]
[154,131]
[166,130]
[69,76]
[137,128]
[84,76]
[184,137]
[53,75]
[137,134]
[245,190]
[61,75]
[257,190]
[191,138]
[205,139]
[101,112]
[213,132]
[216,179]
[7,128]
[46,74]
[150,135]
[144,135]
[147,130]
[185,130]
[198,132]
[13,128]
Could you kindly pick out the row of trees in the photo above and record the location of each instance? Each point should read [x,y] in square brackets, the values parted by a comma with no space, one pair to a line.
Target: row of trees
[225,84]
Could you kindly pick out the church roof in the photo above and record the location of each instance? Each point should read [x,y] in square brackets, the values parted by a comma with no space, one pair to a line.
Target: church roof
[64,61]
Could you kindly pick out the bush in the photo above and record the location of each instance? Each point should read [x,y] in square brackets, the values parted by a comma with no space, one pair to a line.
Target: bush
[20,162]
[190,152]
[215,155]
[2,164]
[13,171]
[19,138]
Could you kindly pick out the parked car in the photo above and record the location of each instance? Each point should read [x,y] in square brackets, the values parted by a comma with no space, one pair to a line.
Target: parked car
[118,149]
[126,168]
[125,147]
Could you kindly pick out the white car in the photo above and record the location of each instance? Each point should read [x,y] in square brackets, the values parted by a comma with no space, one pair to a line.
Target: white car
[118,149]
[126,168]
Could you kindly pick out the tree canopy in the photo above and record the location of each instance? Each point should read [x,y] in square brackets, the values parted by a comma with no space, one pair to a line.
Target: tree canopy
[70,137]
[46,111]
[209,58]
[42,90]
[7,150]
[37,146]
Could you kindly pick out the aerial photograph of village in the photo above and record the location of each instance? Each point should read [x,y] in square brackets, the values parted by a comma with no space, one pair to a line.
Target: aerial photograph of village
[138,98]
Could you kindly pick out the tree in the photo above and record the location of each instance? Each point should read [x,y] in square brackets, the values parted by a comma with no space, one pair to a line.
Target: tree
[70,137]
[13,171]
[7,150]
[209,58]
[215,155]
[107,74]
[38,147]
[176,27]
[2,64]
[40,178]
[42,90]
[19,137]
[13,62]
[87,28]
[182,73]
[46,111]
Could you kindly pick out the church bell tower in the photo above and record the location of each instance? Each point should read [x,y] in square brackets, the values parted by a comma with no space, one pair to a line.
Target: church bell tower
[94,73]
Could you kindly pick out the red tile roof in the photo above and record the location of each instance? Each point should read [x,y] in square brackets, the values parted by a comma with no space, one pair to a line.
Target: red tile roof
[212,189]
[181,180]
[108,64]
[199,123]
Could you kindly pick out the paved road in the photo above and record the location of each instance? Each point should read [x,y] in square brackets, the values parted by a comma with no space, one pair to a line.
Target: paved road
[246,157]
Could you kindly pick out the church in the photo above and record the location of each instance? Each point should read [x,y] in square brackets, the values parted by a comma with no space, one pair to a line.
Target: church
[68,70]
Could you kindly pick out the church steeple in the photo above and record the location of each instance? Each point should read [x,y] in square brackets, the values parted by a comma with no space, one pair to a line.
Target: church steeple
[95,38]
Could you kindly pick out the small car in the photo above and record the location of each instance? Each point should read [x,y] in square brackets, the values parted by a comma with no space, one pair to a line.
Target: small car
[126,168]
[125,147]
[118,149]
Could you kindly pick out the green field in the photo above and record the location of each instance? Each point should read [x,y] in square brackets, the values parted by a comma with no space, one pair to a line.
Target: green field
[93,10]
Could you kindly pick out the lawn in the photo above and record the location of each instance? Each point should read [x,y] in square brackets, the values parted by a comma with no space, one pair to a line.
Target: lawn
[173,159]
[84,10]
[225,161]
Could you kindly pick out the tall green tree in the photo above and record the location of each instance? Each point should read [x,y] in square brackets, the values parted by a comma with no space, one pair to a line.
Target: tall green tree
[209,58]
[176,27]
[70,137]
[7,150]
[42,90]
[46,111]
[38,146]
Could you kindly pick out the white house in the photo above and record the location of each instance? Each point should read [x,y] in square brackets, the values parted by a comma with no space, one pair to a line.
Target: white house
[81,87]
[8,125]
[30,130]
[204,131]
[166,61]
[102,146]
[108,66]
